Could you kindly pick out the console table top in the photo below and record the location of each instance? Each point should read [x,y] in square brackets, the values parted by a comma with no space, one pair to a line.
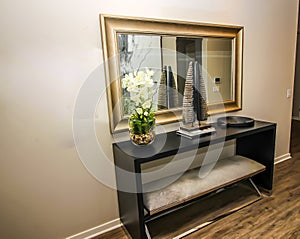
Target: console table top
[170,143]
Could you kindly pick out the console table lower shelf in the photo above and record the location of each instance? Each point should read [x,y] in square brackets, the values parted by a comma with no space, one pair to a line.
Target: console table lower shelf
[198,182]
[204,211]
[184,195]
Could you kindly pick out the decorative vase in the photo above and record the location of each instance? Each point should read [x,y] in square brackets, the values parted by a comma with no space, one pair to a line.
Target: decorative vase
[141,132]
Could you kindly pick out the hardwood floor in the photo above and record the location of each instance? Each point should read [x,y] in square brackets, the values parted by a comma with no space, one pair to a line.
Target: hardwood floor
[275,216]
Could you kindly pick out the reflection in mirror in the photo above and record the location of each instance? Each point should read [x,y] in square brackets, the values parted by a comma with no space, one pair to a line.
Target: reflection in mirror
[218,61]
[169,57]
[138,52]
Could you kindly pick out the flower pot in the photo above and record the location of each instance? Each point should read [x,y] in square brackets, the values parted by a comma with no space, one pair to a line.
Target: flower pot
[141,132]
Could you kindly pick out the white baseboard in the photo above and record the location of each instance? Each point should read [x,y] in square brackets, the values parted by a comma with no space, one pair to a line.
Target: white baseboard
[95,231]
[282,158]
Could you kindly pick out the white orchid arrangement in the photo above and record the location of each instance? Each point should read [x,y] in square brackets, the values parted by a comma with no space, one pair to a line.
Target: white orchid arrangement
[140,87]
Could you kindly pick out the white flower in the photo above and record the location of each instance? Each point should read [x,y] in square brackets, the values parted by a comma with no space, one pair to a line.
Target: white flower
[144,93]
[147,104]
[139,85]
[146,113]
[139,111]
[150,73]
[135,98]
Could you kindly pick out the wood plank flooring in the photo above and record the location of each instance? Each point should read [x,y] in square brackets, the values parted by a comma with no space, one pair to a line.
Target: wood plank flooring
[275,216]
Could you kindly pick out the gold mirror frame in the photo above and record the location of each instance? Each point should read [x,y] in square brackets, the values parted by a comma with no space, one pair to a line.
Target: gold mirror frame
[112,25]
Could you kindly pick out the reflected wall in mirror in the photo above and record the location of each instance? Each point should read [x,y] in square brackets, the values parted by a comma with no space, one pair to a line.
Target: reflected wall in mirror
[167,47]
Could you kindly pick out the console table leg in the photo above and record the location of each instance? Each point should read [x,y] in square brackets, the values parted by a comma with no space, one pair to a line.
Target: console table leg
[260,147]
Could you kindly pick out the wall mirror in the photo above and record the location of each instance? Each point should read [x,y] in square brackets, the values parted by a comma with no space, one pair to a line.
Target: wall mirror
[130,44]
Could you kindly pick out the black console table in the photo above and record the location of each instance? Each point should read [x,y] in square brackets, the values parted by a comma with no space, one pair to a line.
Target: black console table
[254,151]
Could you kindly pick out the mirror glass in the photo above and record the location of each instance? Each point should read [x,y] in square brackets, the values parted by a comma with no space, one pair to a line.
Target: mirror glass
[215,56]
[167,48]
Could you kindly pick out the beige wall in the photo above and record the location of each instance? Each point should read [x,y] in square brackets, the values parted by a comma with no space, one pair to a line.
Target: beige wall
[47,51]
[220,67]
